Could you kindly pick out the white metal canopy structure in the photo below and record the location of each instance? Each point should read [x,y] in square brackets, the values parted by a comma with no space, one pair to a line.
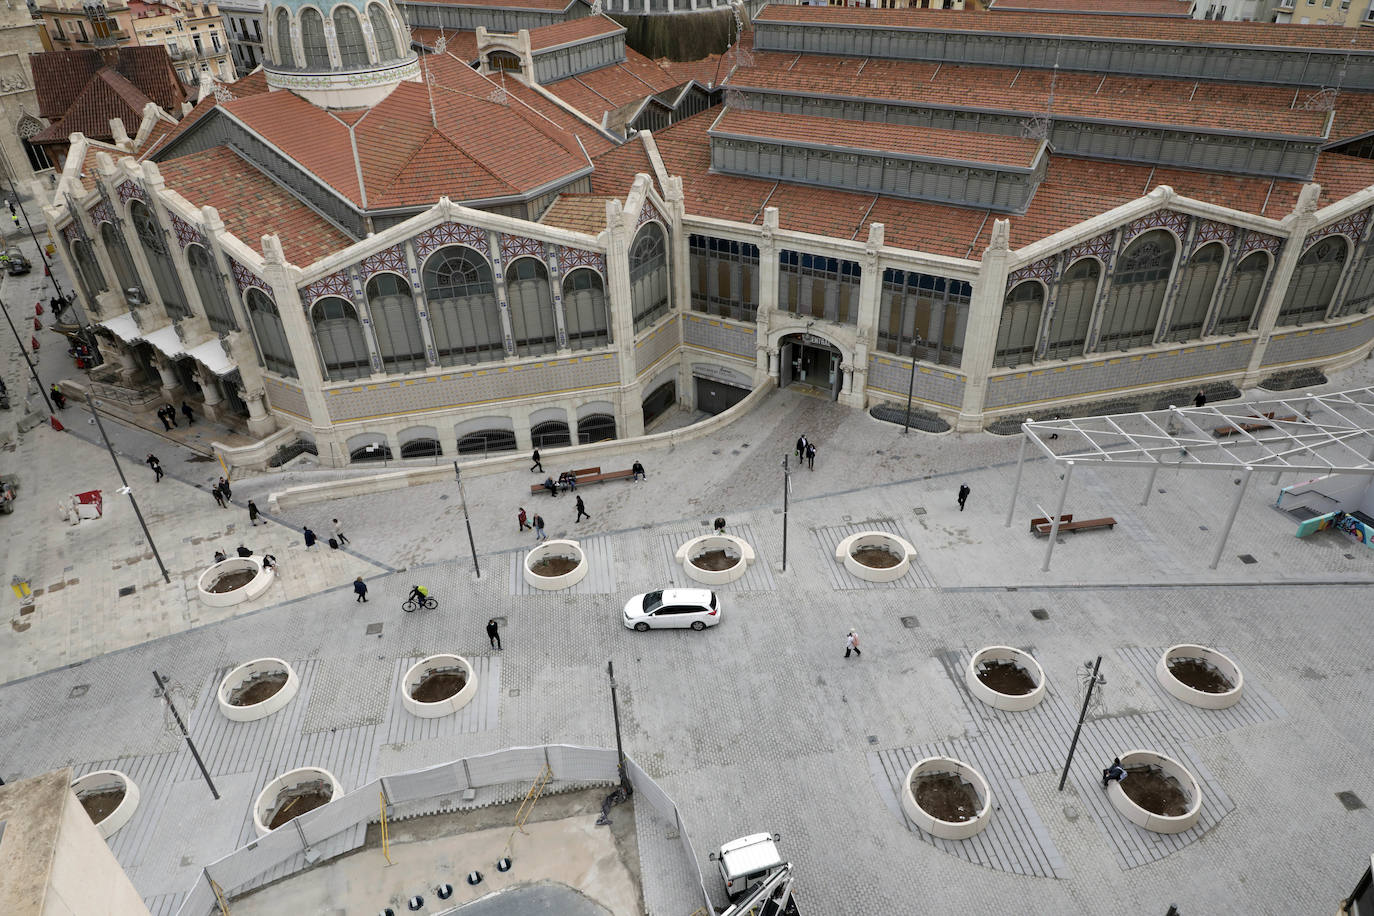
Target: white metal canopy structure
[1323,434]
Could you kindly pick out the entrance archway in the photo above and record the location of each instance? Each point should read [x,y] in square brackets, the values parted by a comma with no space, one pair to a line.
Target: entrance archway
[810,361]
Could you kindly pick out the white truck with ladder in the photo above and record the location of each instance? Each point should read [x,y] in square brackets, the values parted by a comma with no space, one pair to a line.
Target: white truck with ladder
[757,879]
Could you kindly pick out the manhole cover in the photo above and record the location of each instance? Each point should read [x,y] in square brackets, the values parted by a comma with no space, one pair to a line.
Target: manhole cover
[1201,527]
[872,739]
[1247,559]
[80,690]
[1349,556]
[126,590]
[1040,613]
[1350,800]
[515,691]
[443,497]
[374,629]
[919,510]
[910,623]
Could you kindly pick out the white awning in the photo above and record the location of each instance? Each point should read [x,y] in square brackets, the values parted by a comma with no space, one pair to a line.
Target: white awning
[123,327]
[211,355]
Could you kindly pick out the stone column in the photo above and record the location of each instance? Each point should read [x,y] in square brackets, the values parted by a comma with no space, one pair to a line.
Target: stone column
[985,316]
[855,393]
[171,385]
[768,293]
[498,262]
[260,423]
[421,303]
[210,392]
[680,261]
[620,232]
[1300,222]
[282,279]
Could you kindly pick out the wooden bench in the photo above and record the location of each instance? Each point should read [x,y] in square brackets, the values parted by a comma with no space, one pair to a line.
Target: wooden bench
[617,475]
[1065,524]
[1222,431]
[1036,523]
[585,475]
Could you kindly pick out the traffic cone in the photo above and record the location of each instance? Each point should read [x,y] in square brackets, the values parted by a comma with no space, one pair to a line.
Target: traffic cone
[38,308]
[33,342]
[56,424]
[36,325]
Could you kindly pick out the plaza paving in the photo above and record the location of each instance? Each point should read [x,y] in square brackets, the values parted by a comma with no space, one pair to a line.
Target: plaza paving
[759,724]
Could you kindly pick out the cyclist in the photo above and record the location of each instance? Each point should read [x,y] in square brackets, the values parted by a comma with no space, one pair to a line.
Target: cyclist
[418,594]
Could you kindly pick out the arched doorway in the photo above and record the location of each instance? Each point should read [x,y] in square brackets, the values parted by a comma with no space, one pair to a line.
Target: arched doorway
[810,361]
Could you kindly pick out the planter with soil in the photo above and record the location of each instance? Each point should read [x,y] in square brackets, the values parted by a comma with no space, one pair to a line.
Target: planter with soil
[1158,793]
[715,559]
[1005,678]
[554,565]
[234,581]
[947,798]
[438,685]
[1200,676]
[256,689]
[292,794]
[109,797]
[875,556]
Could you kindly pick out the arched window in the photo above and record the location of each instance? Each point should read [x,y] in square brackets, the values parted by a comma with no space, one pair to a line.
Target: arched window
[1359,294]
[503,60]
[1139,284]
[1196,286]
[348,32]
[213,297]
[86,262]
[487,440]
[1238,302]
[531,307]
[286,56]
[312,40]
[584,310]
[399,340]
[159,260]
[119,257]
[339,335]
[649,275]
[550,434]
[381,32]
[1020,326]
[596,427]
[1314,281]
[267,326]
[1073,312]
[462,307]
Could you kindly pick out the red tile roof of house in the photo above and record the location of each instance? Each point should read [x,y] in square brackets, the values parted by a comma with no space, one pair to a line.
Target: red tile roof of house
[906,140]
[1078,26]
[611,89]
[1170,8]
[305,133]
[543,6]
[571,31]
[616,168]
[107,95]
[252,205]
[77,92]
[253,83]
[578,212]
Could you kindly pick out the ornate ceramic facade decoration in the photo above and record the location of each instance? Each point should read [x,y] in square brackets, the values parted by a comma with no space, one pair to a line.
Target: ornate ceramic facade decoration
[648,212]
[1042,269]
[393,258]
[1257,241]
[569,259]
[128,191]
[335,284]
[450,234]
[70,233]
[515,246]
[101,212]
[187,233]
[1211,231]
[1352,227]
[1100,248]
[244,278]
[1160,219]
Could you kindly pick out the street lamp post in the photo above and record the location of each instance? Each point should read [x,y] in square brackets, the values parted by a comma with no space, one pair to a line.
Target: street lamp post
[166,577]
[911,384]
[786,489]
[462,495]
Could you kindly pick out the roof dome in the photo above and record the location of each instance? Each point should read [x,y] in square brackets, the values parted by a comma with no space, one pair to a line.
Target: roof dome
[338,53]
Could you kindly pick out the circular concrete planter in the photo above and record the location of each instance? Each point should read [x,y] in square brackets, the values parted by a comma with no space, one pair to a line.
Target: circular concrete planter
[1191,695]
[698,547]
[1010,701]
[289,785]
[1141,817]
[566,549]
[262,579]
[432,665]
[949,830]
[109,781]
[903,550]
[244,676]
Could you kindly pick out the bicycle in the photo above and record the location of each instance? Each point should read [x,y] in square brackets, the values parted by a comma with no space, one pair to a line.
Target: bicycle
[410,605]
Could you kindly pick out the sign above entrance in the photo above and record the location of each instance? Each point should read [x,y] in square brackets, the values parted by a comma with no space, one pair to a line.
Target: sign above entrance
[819,341]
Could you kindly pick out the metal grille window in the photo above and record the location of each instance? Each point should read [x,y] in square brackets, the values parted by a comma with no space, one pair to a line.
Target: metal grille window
[550,433]
[348,33]
[286,56]
[399,341]
[725,277]
[649,275]
[1238,302]
[815,286]
[1020,326]
[86,262]
[339,335]
[213,297]
[584,310]
[381,32]
[595,427]
[531,307]
[1314,281]
[1360,293]
[313,41]
[1139,284]
[421,448]
[487,440]
[463,310]
[929,312]
[159,261]
[267,326]
[119,257]
[1073,312]
[1197,286]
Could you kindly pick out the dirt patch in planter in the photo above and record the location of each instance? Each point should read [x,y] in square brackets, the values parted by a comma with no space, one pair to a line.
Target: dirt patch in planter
[296,805]
[1006,677]
[945,796]
[1199,675]
[437,686]
[100,805]
[229,581]
[550,567]
[258,689]
[876,557]
[1154,791]
[715,560]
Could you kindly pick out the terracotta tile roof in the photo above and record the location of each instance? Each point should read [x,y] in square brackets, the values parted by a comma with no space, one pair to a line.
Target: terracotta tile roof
[252,205]
[78,93]
[252,84]
[578,212]
[309,135]
[107,95]
[1340,176]
[543,6]
[593,140]
[547,37]
[611,89]
[159,132]
[869,136]
[462,45]
[59,77]
[1354,115]
[1172,31]
[203,107]
[1184,103]
[1106,7]
[617,168]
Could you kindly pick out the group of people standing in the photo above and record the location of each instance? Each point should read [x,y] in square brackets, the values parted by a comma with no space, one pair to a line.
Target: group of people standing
[168,415]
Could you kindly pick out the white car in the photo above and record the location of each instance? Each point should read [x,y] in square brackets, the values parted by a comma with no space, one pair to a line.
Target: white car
[697,608]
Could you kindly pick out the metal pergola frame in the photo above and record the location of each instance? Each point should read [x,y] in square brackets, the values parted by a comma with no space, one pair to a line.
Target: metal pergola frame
[1322,434]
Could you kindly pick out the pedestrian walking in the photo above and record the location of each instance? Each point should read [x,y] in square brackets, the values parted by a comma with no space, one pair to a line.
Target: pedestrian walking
[539,533]
[810,457]
[536,466]
[801,446]
[1114,772]
[359,589]
[493,634]
[309,539]
[851,644]
[58,397]
[219,497]
[156,465]
[581,511]
[521,519]
[637,472]
[162,415]
[1200,399]
[964,491]
[338,533]
[252,513]
[171,413]
[224,488]
[188,413]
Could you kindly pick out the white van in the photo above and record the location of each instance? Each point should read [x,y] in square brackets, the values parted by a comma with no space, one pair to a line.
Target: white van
[747,862]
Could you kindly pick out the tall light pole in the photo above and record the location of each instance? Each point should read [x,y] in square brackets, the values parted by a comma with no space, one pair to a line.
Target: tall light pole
[911,384]
[472,545]
[786,488]
[166,577]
